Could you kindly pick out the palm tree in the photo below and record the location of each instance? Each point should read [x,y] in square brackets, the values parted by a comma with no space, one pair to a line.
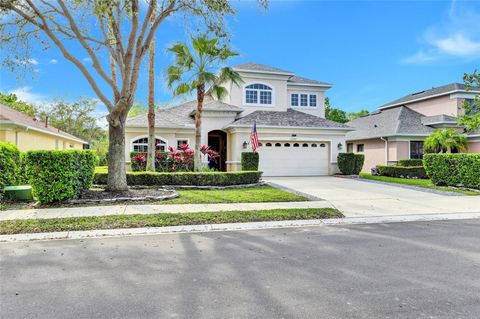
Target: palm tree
[194,71]
[445,140]
[151,104]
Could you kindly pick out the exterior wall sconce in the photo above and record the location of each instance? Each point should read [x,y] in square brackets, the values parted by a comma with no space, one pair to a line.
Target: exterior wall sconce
[340,146]
[245,144]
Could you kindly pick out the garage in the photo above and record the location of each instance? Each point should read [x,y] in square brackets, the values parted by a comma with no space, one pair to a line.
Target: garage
[294,158]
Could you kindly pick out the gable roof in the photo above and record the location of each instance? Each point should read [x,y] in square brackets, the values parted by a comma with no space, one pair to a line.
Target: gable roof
[255,67]
[289,118]
[8,114]
[389,122]
[181,116]
[293,79]
[435,91]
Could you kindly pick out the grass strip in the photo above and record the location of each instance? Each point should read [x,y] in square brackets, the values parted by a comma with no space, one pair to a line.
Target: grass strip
[424,183]
[160,220]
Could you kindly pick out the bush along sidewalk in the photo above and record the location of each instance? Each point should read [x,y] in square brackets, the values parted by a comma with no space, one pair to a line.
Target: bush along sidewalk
[459,170]
[250,161]
[59,175]
[402,171]
[186,178]
[350,163]
[10,171]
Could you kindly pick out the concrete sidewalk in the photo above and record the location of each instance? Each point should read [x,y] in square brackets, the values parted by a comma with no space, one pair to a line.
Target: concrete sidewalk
[151,209]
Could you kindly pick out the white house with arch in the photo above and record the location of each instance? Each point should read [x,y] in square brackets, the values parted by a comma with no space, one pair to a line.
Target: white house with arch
[289,111]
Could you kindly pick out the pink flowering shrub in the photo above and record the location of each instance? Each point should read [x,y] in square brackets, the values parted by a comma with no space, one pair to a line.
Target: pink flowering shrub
[179,159]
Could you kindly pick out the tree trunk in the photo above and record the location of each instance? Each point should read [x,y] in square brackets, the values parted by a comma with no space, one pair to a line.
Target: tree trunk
[198,127]
[151,105]
[117,179]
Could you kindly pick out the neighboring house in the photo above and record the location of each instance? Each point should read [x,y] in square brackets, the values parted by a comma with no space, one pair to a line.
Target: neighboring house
[289,112]
[397,129]
[30,134]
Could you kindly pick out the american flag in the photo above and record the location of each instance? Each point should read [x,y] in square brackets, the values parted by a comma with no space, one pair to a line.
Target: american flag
[254,137]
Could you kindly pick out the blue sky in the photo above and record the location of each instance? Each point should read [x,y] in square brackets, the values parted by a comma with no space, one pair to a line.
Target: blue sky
[371,51]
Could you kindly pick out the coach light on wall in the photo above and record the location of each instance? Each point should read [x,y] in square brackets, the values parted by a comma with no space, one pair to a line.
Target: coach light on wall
[245,144]
[340,146]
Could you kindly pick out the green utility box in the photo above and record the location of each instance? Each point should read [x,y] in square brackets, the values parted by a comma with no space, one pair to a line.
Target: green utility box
[19,193]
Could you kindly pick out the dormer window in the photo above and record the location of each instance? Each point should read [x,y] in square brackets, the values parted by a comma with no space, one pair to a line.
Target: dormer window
[258,94]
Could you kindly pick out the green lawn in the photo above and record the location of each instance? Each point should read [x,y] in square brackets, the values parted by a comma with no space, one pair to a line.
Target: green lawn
[256,194]
[158,220]
[424,183]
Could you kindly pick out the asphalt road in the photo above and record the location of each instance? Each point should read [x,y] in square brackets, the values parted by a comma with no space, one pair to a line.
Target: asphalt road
[398,270]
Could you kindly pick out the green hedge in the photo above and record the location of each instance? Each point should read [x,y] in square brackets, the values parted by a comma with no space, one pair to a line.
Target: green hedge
[186,178]
[59,175]
[410,162]
[453,169]
[402,171]
[250,161]
[350,163]
[10,165]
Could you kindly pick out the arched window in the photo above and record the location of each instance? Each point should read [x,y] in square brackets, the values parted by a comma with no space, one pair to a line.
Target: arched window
[141,145]
[314,145]
[268,144]
[286,144]
[296,145]
[258,94]
[304,145]
[322,145]
[278,144]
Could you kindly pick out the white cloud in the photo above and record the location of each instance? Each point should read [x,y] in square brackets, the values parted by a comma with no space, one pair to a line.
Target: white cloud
[27,62]
[458,45]
[87,60]
[53,61]
[457,37]
[32,61]
[25,94]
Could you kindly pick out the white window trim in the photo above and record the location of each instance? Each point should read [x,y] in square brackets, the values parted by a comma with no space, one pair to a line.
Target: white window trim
[308,107]
[244,95]
[146,136]
[182,139]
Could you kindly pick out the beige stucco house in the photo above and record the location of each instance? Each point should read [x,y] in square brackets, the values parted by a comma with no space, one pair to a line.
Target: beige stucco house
[30,134]
[397,129]
[289,112]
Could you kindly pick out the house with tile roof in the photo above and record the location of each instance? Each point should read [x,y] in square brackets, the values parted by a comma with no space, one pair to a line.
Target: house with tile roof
[397,129]
[28,133]
[289,113]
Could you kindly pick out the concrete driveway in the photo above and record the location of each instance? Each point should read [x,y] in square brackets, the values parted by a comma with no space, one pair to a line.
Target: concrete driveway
[355,197]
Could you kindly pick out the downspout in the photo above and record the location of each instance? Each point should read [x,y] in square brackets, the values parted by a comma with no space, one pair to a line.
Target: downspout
[385,139]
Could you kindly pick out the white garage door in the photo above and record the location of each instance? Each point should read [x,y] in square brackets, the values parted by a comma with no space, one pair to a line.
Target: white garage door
[293,158]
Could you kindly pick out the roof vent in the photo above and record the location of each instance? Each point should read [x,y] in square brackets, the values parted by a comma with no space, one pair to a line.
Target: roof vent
[375,125]
[416,93]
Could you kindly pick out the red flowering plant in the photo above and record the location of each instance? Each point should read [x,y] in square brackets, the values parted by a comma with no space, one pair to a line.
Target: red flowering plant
[139,162]
[181,158]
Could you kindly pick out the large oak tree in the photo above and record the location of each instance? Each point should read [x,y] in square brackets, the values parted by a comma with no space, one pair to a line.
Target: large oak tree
[116,31]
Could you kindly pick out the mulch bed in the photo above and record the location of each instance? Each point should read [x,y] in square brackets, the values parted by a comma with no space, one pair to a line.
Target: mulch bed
[99,195]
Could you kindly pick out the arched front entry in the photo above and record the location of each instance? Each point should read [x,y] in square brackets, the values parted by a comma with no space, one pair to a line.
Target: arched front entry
[217,140]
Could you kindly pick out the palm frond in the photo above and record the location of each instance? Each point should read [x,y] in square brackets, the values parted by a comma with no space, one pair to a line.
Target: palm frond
[182,88]
[218,91]
[228,74]
[174,74]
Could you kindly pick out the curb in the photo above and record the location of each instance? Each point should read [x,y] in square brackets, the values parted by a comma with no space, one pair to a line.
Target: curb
[233,227]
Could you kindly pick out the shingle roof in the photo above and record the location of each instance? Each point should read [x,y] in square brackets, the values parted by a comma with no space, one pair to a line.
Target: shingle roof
[437,119]
[181,115]
[19,118]
[301,80]
[444,89]
[289,118]
[250,66]
[389,122]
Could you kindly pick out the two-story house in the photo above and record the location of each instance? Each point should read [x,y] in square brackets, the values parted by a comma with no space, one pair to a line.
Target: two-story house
[289,113]
[397,129]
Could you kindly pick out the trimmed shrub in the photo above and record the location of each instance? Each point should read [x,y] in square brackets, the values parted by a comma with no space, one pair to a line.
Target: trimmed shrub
[402,171]
[10,167]
[346,163]
[186,178]
[22,173]
[250,161]
[410,162]
[453,169]
[59,175]
[359,160]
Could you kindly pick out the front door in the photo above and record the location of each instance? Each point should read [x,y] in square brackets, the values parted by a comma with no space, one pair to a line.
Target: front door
[217,141]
